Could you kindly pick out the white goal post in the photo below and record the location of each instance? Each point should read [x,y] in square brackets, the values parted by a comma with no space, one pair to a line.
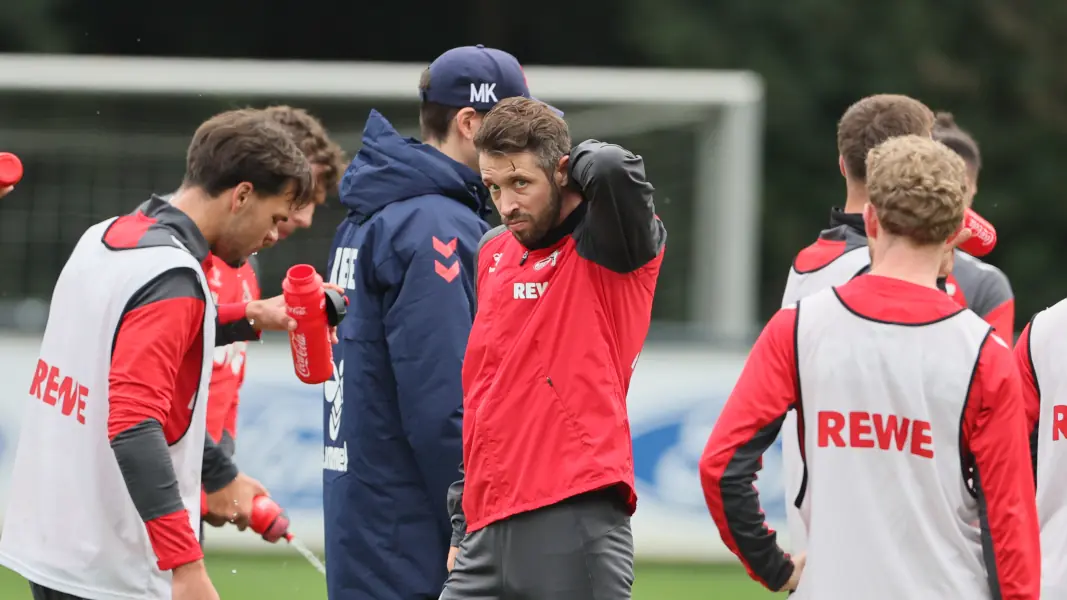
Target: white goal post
[724,108]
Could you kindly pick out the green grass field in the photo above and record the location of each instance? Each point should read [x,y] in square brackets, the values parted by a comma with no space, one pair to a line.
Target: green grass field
[280,577]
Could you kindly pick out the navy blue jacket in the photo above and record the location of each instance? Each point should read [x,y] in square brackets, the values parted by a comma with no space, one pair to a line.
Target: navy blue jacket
[393,421]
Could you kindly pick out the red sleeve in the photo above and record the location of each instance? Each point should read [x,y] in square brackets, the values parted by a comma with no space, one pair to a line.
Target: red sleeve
[767,388]
[231,324]
[173,540]
[164,319]
[1024,362]
[149,347]
[1002,318]
[230,425]
[996,433]
[230,312]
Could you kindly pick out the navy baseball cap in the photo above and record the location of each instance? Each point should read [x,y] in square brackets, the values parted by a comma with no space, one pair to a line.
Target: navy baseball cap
[477,77]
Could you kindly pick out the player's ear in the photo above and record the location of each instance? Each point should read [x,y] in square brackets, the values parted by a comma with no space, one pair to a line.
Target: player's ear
[841,165]
[562,170]
[240,195]
[870,221]
[467,122]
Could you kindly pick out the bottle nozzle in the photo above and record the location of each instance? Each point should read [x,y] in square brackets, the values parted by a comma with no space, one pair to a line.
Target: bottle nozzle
[301,274]
[269,519]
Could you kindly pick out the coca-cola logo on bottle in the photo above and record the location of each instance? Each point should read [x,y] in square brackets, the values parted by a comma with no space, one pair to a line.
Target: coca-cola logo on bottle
[297,311]
[984,234]
[300,354]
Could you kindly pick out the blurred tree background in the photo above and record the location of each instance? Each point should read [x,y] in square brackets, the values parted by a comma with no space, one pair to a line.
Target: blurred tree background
[998,65]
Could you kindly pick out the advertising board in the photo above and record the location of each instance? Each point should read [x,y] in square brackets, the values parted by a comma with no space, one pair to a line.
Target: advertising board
[675,397]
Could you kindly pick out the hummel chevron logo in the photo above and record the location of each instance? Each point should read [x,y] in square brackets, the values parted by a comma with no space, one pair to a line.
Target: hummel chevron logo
[446,273]
[445,250]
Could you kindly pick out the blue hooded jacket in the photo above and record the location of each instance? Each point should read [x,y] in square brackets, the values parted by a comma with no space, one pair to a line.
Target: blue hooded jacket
[393,412]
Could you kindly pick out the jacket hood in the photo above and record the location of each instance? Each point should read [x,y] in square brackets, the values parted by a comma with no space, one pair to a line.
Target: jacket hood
[391,168]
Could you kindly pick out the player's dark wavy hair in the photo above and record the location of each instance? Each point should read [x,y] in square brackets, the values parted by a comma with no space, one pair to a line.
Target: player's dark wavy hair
[245,145]
[525,125]
[949,133]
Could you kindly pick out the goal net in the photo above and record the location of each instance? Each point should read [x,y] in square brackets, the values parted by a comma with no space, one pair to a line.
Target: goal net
[97,135]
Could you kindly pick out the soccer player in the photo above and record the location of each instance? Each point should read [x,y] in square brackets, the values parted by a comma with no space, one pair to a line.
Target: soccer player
[1039,354]
[974,283]
[911,415]
[405,254]
[105,494]
[565,292]
[241,284]
[840,252]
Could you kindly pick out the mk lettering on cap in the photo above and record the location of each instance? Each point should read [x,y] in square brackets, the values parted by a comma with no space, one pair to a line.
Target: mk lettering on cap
[484,92]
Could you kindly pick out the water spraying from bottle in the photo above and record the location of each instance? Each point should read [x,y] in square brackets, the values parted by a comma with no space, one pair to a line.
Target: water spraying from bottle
[307,553]
[270,521]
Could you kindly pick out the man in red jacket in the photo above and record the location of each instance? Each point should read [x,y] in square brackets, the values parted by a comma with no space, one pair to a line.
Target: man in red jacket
[564,306]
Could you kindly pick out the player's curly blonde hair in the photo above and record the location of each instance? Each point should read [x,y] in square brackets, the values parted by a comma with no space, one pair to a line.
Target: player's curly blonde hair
[309,134]
[917,187]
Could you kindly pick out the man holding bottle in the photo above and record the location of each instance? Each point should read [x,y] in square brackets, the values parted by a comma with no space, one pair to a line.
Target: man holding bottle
[121,383]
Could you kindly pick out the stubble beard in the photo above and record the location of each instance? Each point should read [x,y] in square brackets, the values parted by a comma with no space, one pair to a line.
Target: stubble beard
[544,223]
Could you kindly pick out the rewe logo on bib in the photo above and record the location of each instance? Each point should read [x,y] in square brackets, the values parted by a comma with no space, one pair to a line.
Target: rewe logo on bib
[52,387]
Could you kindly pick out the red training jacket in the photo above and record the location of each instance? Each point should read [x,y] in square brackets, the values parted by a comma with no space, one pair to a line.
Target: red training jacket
[555,340]
[238,286]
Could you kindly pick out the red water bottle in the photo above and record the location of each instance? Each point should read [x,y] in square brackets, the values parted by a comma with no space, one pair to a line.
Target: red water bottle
[985,235]
[10,169]
[269,520]
[315,310]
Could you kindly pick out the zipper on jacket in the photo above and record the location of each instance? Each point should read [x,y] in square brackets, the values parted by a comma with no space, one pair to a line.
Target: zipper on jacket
[549,380]
[525,255]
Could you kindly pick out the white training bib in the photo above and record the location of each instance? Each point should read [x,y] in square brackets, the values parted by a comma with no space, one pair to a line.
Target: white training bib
[886,506]
[70,524]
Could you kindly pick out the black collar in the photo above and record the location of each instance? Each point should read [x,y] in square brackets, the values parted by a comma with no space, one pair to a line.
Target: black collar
[169,220]
[853,221]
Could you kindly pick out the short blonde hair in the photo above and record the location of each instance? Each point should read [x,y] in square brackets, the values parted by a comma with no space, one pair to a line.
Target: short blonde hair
[917,187]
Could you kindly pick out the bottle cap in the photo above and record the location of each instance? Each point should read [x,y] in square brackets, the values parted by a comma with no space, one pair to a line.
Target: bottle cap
[268,519]
[10,169]
[336,307]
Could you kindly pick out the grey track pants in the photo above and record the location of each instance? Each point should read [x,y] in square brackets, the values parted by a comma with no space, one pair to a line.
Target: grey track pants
[42,593]
[579,549]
